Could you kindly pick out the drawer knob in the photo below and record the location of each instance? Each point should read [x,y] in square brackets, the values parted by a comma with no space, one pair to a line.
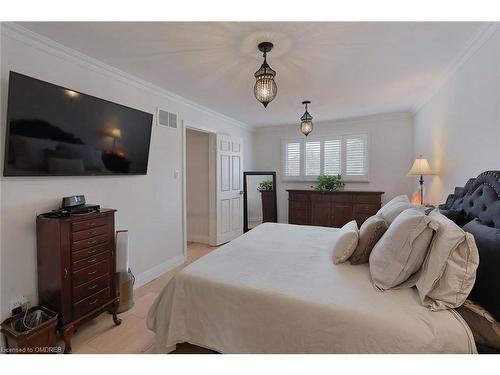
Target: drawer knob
[92,260]
[92,287]
[91,273]
[92,242]
[94,301]
[91,251]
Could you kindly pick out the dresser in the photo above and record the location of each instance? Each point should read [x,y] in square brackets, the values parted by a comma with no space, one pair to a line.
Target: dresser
[332,209]
[76,268]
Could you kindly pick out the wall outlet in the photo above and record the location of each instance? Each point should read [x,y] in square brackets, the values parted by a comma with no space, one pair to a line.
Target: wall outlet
[19,304]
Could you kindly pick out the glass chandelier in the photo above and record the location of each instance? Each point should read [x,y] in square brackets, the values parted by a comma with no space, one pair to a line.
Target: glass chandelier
[306,124]
[265,88]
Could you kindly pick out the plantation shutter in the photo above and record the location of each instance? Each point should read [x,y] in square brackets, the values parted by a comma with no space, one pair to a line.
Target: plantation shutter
[313,158]
[292,159]
[333,157]
[356,158]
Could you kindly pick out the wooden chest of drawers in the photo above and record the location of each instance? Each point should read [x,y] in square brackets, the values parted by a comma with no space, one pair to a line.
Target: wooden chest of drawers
[332,209]
[76,268]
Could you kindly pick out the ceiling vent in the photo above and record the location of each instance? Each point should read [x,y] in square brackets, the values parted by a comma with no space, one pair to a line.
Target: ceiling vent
[167,119]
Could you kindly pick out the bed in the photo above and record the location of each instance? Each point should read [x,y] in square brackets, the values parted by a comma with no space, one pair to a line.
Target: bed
[275,290]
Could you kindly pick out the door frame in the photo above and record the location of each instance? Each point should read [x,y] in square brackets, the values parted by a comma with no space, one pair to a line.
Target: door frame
[212,219]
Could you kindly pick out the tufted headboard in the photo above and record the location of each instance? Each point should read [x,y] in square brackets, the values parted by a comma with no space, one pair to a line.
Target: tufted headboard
[476,208]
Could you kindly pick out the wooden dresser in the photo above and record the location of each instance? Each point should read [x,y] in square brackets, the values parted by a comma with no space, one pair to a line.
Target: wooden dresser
[76,268]
[332,209]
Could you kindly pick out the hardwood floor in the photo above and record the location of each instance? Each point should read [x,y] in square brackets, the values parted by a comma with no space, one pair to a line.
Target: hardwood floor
[101,336]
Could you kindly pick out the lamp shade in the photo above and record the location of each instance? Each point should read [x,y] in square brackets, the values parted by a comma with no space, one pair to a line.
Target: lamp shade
[115,133]
[420,167]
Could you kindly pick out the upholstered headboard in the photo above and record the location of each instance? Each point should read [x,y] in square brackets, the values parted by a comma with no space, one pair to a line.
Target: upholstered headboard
[476,208]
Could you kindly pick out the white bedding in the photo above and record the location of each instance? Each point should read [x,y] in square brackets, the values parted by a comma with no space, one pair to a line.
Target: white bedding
[276,290]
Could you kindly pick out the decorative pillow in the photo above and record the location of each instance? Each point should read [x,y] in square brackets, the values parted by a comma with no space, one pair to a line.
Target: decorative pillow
[486,288]
[401,251]
[484,327]
[345,242]
[369,233]
[449,271]
[457,216]
[394,207]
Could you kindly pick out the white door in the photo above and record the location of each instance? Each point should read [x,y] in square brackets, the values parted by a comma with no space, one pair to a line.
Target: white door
[229,184]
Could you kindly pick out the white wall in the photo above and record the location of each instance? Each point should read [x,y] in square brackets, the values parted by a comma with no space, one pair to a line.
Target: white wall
[197,186]
[149,206]
[391,154]
[458,129]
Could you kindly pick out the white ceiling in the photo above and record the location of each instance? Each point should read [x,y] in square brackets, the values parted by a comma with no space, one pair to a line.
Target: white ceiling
[345,69]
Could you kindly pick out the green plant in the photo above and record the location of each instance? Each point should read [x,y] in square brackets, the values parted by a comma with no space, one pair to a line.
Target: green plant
[329,183]
[265,185]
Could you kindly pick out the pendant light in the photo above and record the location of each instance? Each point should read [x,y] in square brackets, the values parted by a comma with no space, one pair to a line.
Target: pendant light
[306,124]
[265,88]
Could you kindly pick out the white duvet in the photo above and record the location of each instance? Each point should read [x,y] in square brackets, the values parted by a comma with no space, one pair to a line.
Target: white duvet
[276,290]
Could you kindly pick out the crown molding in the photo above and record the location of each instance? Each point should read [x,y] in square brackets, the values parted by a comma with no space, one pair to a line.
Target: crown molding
[474,45]
[50,46]
[385,116]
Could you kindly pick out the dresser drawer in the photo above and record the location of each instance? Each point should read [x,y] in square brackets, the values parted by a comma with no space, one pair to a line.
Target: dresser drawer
[299,205]
[298,196]
[344,198]
[89,233]
[91,260]
[91,302]
[321,198]
[89,224]
[365,208]
[90,273]
[94,286]
[79,245]
[90,251]
[368,198]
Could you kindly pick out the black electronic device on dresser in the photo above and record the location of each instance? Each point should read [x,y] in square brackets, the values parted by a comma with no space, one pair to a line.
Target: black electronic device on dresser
[76,268]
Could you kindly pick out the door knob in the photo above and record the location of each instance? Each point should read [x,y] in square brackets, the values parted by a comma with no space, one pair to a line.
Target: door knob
[241,192]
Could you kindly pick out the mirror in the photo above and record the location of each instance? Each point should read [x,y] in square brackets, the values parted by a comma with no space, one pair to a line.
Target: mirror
[259,201]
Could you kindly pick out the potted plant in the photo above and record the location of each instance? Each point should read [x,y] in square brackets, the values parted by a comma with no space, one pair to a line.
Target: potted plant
[329,183]
[266,185]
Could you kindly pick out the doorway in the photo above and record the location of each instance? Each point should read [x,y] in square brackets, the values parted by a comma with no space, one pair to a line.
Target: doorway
[197,186]
[212,186]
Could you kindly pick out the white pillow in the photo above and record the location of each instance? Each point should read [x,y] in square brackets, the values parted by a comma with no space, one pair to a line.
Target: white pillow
[449,272]
[394,207]
[345,242]
[400,252]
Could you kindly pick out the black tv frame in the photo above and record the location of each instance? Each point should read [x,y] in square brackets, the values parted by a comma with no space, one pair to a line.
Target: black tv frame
[7,136]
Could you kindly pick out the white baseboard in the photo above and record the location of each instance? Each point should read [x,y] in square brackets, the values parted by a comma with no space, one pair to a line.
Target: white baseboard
[200,238]
[158,270]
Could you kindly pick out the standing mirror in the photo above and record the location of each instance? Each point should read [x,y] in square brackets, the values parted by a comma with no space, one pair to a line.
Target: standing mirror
[259,199]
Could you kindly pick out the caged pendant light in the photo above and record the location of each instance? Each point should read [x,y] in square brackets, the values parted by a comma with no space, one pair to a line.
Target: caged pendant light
[306,124]
[265,88]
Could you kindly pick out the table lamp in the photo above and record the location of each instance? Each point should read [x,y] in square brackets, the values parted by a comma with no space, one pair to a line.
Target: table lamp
[420,168]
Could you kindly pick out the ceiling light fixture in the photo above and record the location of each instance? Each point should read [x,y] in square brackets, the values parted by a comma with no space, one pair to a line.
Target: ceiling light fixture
[306,124]
[265,88]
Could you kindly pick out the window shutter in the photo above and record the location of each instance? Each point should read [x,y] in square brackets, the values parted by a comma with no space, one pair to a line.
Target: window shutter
[355,156]
[313,159]
[333,157]
[292,159]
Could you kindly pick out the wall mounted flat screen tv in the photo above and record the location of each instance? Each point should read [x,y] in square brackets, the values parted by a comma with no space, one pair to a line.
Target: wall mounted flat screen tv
[55,131]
